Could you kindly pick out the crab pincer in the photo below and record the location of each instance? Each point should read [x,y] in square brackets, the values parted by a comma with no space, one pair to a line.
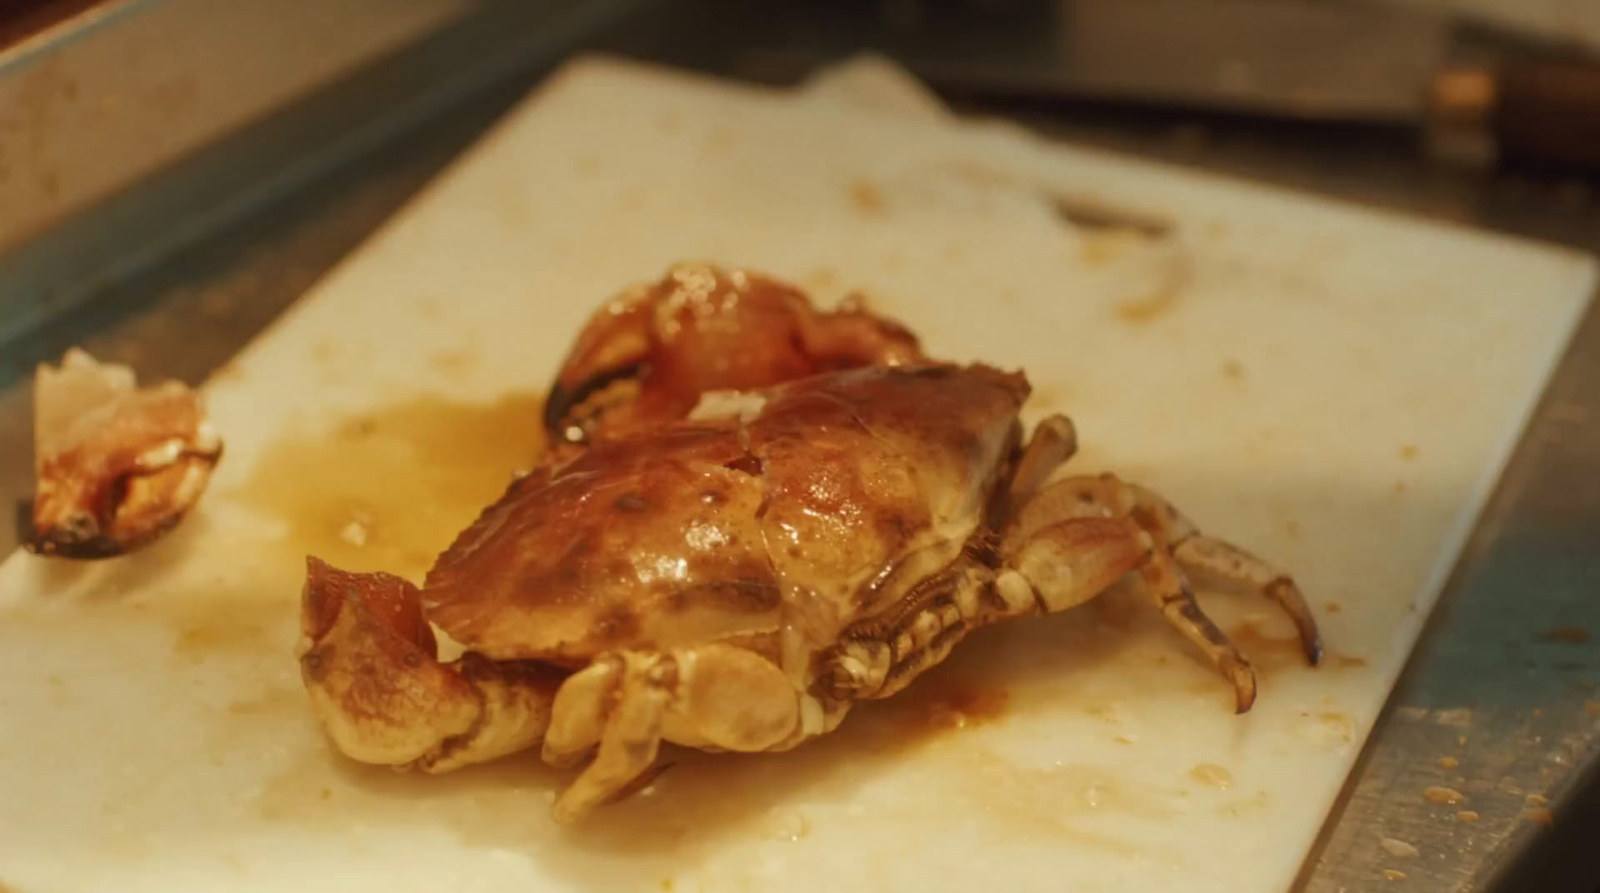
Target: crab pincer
[117,466]
[648,356]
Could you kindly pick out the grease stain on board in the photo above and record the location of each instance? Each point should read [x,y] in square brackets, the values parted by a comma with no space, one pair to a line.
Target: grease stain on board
[949,708]
[209,627]
[389,489]
[1159,299]
[1212,775]
[1277,653]
[868,199]
[454,362]
[1099,247]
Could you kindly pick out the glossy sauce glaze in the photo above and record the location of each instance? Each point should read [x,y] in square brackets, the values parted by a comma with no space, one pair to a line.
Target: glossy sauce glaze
[724,528]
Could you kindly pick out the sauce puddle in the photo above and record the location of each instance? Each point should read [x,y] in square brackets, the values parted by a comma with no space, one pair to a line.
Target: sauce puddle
[389,489]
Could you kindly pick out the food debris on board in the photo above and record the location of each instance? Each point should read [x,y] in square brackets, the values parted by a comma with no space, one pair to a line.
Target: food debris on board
[1447,796]
[117,466]
[1540,816]
[1398,848]
[761,560]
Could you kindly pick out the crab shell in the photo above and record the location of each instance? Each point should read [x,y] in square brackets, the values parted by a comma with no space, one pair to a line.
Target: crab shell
[772,529]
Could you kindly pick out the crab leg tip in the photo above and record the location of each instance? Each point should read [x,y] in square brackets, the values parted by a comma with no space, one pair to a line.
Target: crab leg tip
[1244,687]
[1244,699]
[1313,649]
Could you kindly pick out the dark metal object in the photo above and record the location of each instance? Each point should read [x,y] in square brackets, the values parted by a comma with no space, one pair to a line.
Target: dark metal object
[1304,60]
[1361,63]
[1500,664]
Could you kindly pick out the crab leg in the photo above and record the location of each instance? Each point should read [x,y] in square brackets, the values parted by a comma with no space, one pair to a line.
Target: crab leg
[370,663]
[1053,442]
[627,741]
[624,705]
[1047,533]
[1175,534]
[1225,562]
[1071,561]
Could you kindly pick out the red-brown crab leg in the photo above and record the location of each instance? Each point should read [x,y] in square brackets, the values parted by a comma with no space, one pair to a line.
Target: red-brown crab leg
[370,662]
[702,329]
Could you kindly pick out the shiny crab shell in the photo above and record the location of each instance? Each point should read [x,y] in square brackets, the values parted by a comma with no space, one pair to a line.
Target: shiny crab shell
[777,527]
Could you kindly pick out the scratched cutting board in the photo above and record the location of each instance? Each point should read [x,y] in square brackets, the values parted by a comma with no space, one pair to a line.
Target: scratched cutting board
[1332,387]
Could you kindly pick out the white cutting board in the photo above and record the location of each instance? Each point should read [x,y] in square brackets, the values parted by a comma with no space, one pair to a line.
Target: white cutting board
[1334,388]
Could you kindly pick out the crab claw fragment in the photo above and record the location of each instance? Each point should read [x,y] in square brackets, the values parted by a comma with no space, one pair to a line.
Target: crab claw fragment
[370,663]
[117,466]
[647,357]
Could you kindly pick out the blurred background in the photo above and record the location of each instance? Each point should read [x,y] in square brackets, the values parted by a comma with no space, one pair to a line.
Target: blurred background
[175,173]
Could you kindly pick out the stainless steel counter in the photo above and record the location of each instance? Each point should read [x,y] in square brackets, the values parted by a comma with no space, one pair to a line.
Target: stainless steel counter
[1500,702]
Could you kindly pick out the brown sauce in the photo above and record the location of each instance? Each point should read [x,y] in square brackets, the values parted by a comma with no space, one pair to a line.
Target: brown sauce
[950,707]
[388,490]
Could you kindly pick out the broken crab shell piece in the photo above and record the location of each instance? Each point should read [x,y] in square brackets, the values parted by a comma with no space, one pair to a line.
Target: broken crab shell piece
[116,465]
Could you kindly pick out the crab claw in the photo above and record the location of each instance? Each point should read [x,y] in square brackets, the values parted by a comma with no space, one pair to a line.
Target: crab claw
[117,466]
[648,356]
[370,662]
[612,348]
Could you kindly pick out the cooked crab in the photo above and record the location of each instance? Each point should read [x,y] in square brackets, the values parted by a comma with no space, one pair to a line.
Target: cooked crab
[117,465]
[648,356]
[738,580]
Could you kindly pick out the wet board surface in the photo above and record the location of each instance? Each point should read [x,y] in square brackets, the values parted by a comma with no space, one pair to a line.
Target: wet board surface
[1334,388]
